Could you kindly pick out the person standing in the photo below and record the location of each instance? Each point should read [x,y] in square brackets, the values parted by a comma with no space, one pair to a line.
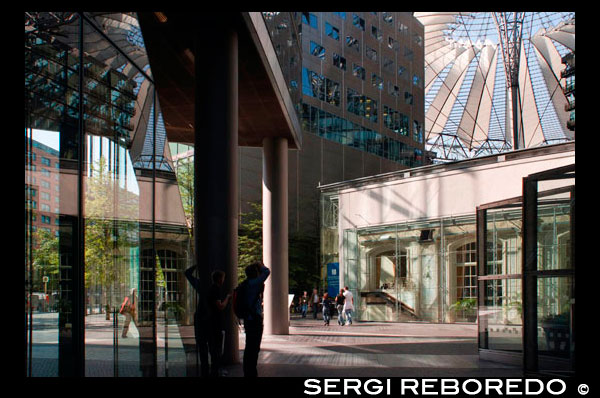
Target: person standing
[304,304]
[208,320]
[339,304]
[348,305]
[129,309]
[314,300]
[216,305]
[256,275]
[326,309]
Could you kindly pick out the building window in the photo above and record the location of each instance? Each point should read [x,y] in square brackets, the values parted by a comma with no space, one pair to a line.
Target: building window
[388,17]
[393,90]
[376,33]
[418,39]
[403,29]
[361,105]
[45,173]
[45,184]
[377,81]
[316,86]
[408,98]
[332,31]
[310,20]
[353,43]
[313,84]
[339,61]
[466,275]
[45,195]
[46,219]
[388,64]
[371,54]
[317,50]
[340,14]
[45,161]
[358,71]
[417,81]
[408,54]
[358,22]
[332,90]
[393,44]
[45,207]
[401,70]
[417,131]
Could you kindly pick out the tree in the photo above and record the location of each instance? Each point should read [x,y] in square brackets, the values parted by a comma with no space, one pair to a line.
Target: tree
[302,251]
[110,227]
[45,260]
[249,239]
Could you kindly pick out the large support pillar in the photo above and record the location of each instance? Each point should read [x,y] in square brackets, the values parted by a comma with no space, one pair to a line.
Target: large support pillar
[275,234]
[216,161]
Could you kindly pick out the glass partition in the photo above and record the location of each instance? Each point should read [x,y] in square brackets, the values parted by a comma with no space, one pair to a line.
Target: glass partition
[549,200]
[419,271]
[499,279]
[97,169]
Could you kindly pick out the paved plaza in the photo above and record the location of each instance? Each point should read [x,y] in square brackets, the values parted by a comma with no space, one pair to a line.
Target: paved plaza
[364,349]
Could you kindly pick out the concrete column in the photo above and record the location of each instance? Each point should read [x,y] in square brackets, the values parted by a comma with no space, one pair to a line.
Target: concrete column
[216,161]
[275,234]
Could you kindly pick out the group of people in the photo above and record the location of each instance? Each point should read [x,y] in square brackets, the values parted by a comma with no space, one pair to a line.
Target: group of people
[344,304]
[209,317]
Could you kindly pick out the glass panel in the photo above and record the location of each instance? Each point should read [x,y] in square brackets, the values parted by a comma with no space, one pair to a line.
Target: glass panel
[51,132]
[111,204]
[554,236]
[500,316]
[555,303]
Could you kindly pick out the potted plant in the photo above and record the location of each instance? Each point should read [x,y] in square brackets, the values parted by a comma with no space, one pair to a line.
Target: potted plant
[467,308]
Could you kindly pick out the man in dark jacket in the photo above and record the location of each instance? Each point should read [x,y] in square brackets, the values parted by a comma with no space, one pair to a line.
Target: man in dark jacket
[256,275]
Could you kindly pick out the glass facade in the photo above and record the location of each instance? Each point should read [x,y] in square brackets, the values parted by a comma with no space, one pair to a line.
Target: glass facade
[343,131]
[95,149]
[419,271]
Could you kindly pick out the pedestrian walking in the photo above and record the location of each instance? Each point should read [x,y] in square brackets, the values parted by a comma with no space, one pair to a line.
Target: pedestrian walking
[129,309]
[326,305]
[348,305]
[339,305]
[304,303]
[314,300]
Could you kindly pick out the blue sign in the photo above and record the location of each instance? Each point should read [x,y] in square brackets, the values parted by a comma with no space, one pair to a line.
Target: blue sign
[333,279]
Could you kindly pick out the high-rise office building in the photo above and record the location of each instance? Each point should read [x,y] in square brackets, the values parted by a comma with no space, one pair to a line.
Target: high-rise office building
[360,99]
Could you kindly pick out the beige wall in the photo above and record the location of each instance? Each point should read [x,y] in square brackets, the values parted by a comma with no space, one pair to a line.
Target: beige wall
[440,192]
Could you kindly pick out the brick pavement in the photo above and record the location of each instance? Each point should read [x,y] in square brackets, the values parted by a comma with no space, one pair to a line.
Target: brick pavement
[370,349]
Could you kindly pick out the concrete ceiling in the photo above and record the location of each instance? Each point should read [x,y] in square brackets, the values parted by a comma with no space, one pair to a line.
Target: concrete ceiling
[264,110]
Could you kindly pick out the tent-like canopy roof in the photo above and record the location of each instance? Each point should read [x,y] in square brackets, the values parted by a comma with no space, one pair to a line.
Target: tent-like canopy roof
[467,108]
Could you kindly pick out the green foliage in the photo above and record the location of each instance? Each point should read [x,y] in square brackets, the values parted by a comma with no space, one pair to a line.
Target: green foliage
[467,304]
[185,181]
[302,251]
[45,260]
[249,239]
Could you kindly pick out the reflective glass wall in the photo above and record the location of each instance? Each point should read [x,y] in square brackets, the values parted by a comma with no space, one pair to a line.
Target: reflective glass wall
[105,293]
[419,271]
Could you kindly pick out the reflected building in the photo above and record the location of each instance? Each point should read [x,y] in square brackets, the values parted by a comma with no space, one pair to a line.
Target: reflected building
[94,129]
[94,149]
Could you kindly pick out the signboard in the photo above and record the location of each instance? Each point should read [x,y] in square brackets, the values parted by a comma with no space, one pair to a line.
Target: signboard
[333,279]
